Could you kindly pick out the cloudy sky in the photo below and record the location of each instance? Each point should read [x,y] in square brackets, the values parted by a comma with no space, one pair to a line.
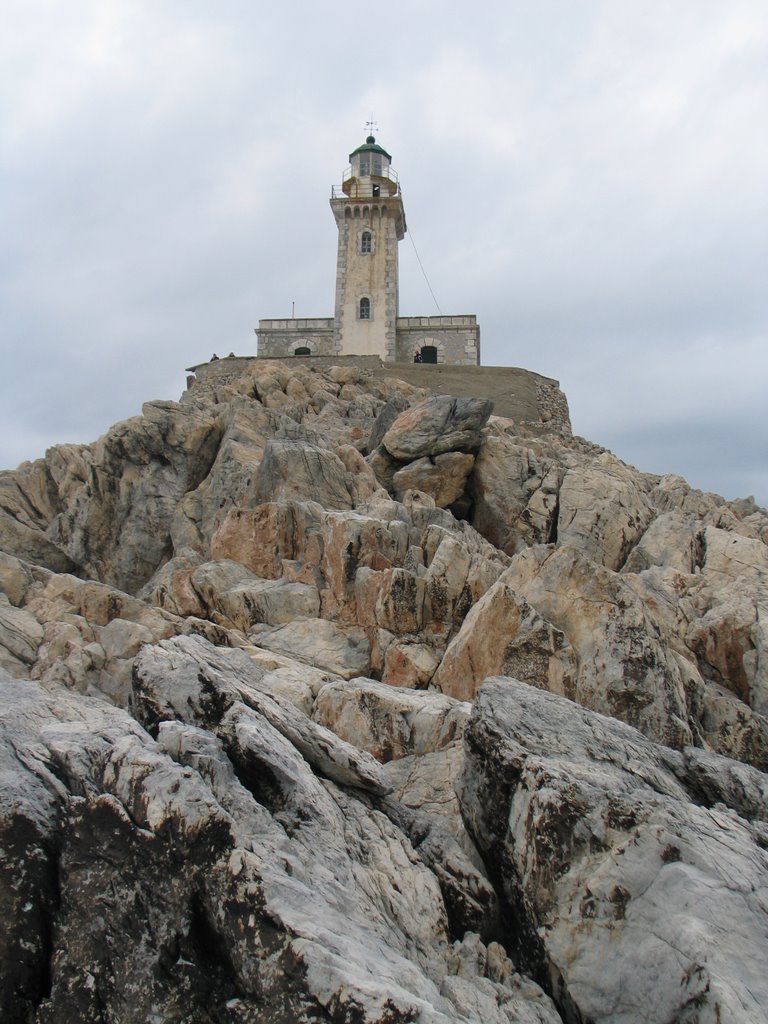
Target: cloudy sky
[588,177]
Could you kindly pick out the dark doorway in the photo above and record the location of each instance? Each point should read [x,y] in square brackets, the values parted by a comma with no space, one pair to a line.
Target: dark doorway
[429,354]
[302,351]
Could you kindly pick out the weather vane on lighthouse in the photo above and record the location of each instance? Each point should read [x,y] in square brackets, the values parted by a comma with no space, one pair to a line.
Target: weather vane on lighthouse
[371,125]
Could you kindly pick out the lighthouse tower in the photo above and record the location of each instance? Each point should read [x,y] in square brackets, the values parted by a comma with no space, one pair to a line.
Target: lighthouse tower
[368,208]
[370,217]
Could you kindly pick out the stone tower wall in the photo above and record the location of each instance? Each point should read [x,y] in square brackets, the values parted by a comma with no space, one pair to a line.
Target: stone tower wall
[372,275]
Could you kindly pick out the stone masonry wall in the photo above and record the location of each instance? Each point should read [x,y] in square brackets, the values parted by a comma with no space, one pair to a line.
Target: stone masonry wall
[456,338]
[282,337]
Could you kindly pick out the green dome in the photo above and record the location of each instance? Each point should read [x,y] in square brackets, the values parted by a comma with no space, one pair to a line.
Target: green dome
[370,147]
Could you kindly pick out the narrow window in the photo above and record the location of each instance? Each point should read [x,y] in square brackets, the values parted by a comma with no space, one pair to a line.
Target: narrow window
[365,309]
[365,167]
[365,242]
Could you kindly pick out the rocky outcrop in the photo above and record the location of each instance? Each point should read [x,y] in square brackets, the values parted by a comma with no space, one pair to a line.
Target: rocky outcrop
[240,638]
[288,902]
[615,851]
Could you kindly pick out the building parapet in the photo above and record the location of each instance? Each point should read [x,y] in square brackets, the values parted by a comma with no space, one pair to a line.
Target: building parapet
[298,325]
[405,323]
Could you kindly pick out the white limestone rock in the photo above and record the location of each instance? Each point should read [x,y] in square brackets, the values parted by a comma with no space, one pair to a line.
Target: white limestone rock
[20,633]
[436,425]
[297,469]
[603,510]
[321,644]
[409,664]
[622,666]
[242,598]
[389,721]
[515,491]
[443,478]
[503,635]
[644,889]
[673,540]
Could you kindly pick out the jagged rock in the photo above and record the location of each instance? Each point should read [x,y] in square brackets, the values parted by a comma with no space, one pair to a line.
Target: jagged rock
[242,599]
[28,505]
[389,413]
[672,540]
[18,577]
[188,677]
[245,427]
[731,642]
[298,470]
[117,525]
[389,722]
[443,478]
[408,664]
[622,666]
[515,494]
[391,598]
[602,511]
[729,556]
[20,633]
[171,586]
[602,838]
[437,425]
[322,644]
[503,635]
[363,485]
[460,569]
[262,538]
[318,883]
[384,467]
[426,783]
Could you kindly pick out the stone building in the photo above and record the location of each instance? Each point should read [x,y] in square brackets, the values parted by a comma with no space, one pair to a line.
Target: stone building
[370,217]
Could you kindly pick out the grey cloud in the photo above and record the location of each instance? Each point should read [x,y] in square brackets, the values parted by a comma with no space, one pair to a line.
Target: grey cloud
[589,181]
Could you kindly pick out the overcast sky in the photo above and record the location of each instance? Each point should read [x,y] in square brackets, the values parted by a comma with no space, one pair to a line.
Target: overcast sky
[588,177]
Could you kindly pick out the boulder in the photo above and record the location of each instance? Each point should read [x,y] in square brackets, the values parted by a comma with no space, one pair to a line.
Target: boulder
[20,633]
[673,540]
[241,599]
[409,664]
[436,425]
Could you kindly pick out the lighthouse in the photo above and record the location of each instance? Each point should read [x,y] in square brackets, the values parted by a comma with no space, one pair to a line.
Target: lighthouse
[369,213]
[367,206]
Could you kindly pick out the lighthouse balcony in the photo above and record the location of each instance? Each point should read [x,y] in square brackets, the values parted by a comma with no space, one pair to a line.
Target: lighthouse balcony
[367,187]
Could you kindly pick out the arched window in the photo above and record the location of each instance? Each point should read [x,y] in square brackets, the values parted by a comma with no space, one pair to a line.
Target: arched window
[366,242]
[302,350]
[365,309]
